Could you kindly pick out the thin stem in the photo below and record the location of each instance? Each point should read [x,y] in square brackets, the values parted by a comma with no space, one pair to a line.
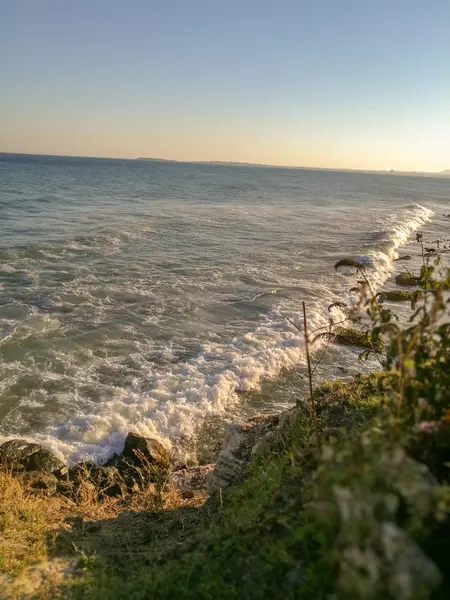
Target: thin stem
[321,357]
[308,360]
[368,283]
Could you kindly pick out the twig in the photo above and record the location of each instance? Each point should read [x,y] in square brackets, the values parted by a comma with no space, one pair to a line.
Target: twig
[291,322]
[308,360]
[319,360]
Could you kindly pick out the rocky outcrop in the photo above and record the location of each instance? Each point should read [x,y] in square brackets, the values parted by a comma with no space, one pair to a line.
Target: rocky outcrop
[143,461]
[243,441]
[20,455]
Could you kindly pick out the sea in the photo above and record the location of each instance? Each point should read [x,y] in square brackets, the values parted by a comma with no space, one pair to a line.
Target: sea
[166,298]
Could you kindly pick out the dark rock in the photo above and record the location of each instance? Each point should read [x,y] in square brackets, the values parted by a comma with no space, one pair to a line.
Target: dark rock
[15,453]
[113,461]
[21,455]
[406,257]
[406,279]
[80,472]
[108,480]
[349,336]
[145,452]
[400,295]
[138,477]
[45,462]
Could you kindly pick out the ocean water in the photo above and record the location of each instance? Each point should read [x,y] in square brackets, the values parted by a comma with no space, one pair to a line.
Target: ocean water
[151,296]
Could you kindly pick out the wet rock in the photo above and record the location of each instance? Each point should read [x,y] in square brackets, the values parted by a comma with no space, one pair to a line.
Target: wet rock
[406,257]
[15,453]
[351,336]
[21,455]
[400,296]
[145,452]
[406,279]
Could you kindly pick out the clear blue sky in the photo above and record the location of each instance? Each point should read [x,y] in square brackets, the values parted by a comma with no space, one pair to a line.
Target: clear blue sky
[338,83]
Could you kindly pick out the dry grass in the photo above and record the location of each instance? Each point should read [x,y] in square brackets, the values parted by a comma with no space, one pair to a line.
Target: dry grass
[27,520]
[47,539]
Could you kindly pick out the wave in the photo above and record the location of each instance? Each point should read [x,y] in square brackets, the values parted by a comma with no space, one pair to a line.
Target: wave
[178,400]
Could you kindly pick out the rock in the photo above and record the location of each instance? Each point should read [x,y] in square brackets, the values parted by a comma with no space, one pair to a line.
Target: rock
[41,481]
[406,257]
[22,455]
[400,296]
[108,480]
[113,461]
[145,452]
[80,471]
[45,462]
[15,453]
[241,443]
[350,336]
[406,279]
[191,480]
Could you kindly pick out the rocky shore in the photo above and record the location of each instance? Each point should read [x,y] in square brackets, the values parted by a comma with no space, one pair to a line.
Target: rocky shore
[143,461]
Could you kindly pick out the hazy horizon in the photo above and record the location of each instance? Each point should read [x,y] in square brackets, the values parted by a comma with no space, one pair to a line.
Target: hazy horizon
[297,84]
[219,162]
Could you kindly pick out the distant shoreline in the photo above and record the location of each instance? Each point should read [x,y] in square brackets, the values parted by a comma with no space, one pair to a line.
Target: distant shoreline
[445,173]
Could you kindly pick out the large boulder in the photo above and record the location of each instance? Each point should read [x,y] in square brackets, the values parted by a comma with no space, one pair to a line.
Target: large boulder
[145,452]
[20,455]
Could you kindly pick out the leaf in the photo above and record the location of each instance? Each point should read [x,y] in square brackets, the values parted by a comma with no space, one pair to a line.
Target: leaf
[337,305]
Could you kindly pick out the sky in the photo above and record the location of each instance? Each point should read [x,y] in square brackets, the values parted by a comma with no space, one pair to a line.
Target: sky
[362,84]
